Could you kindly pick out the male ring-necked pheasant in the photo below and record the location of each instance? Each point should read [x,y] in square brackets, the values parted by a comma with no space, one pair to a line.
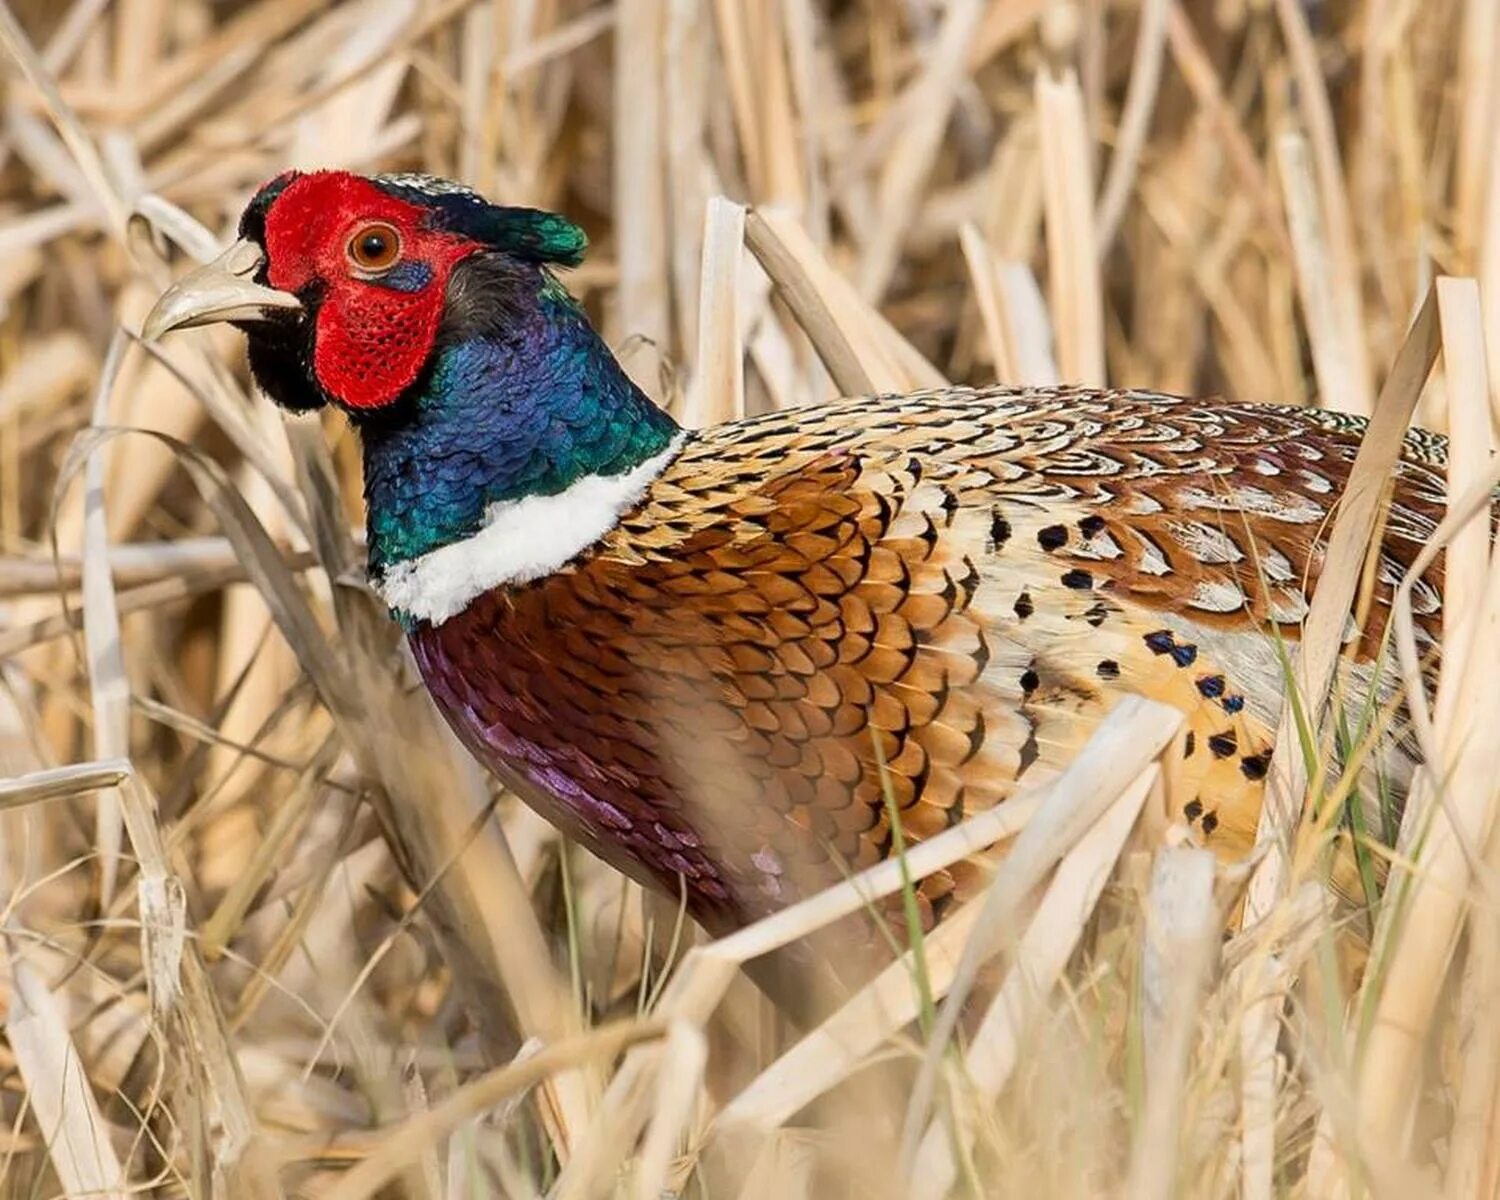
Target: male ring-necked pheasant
[683,647]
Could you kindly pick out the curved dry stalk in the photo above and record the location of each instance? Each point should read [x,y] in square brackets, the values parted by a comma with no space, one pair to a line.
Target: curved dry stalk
[405,1144]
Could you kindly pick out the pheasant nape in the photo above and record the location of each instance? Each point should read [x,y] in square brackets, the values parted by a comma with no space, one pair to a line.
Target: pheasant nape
[707,656]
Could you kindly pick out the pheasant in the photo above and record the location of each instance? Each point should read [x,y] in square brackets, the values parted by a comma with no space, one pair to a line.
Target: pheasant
[706,655]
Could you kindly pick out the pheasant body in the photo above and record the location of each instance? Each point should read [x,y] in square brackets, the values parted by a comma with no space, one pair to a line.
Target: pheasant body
[719,659]
[958,585]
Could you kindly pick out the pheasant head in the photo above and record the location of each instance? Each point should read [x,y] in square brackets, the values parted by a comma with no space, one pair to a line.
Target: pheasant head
[434,320]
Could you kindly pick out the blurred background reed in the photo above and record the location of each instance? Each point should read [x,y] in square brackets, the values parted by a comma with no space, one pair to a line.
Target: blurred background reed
[268,932]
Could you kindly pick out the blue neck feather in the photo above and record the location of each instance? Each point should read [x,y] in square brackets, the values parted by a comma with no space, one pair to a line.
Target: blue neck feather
[523,407]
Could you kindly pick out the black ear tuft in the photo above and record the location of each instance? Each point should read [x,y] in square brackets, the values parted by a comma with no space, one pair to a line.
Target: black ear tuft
[529,234]
[538,236]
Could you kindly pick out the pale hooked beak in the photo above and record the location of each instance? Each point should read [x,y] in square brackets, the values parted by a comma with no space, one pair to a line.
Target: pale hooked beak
[223,290]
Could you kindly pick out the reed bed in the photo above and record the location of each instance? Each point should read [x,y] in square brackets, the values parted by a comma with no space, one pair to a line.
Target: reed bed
[269,932]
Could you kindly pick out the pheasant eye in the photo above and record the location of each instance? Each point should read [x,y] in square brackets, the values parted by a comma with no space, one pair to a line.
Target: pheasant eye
[375,247]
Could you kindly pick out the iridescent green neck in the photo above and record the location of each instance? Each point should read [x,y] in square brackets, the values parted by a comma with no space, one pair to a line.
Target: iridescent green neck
[527,407]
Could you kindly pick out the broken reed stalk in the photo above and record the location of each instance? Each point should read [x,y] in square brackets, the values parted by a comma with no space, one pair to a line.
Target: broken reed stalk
[58,783]
[984,275]
[717,393]
[1285,834]
[131,565]
[53,1072]
[1102,763]
[925,105]
[180,992]
[1135,120]
[1455,795]
[1333,200]
[1330,337]
[1041,954]
[36,1025]
[1322,634]
[824,306]
[1075,298]
[1182,925]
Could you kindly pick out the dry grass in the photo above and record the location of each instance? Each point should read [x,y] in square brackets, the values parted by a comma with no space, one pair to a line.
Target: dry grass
[267,931]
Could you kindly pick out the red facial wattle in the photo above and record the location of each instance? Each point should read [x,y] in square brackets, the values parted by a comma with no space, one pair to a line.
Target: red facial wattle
[374,332]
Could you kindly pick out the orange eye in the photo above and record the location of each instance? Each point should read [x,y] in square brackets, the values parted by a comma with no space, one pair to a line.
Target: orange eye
[375,247]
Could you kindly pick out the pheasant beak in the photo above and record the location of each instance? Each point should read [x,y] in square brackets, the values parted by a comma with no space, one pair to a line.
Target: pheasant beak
[223,290]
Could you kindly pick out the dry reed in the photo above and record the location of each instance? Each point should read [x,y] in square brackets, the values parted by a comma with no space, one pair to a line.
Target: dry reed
[268,931]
